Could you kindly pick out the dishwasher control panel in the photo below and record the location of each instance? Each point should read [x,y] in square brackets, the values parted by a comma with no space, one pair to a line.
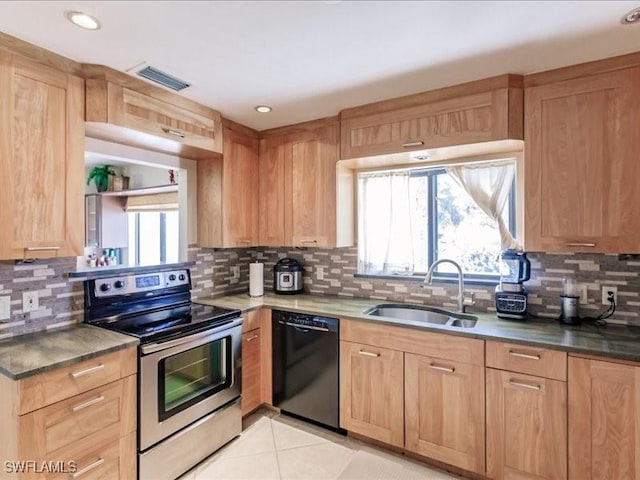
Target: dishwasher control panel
[302,321]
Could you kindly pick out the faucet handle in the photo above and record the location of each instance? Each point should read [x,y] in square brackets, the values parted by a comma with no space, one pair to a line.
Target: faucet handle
[469,299]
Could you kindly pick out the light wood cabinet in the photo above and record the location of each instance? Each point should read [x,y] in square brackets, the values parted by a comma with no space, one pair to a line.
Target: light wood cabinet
[581,166]
[228,192]
[372,392]
[483,111]
[444,411]
[41,160]
[299,187]
[256,360]
[124,109]
[416,390]
[527,359]
[526,427]
[604,420]
[83,413]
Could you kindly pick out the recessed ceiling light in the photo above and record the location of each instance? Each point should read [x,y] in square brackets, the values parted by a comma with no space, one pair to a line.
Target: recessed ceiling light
[263,108]
[632,17]
[83,20]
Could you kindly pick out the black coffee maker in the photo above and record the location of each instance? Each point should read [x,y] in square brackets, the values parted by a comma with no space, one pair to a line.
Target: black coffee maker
[511,296]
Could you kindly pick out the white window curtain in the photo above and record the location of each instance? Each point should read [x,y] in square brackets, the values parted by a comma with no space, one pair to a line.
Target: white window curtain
[489,186]
[385,244]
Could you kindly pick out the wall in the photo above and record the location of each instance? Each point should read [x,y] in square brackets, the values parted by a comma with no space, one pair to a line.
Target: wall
[548,271]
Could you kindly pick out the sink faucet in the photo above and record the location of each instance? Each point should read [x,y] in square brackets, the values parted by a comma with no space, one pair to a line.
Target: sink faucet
[429,277]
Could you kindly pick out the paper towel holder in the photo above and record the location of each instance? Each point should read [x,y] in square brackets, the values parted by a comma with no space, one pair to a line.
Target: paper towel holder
[256,279]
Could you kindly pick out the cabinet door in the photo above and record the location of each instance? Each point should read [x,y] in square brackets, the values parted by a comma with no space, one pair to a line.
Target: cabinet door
[313,185]
[251,397]
[41,160]
[444,411]
[604,420]
[371,392]
[526,427]
[275,191]
[582,166]
[240,189]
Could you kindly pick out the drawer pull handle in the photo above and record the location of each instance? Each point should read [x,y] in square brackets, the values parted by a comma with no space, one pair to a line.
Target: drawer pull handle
[579,244]
[440,368]
[412,144]
[368,354]
[88,468]
[308,241]
[532,386]
[88,403]
[528,356]
[251,339]
[40,249]
[176,133]
[87,371]
[244,241]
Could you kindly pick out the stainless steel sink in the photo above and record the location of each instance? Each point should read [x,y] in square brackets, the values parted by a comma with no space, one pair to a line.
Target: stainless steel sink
[416,313]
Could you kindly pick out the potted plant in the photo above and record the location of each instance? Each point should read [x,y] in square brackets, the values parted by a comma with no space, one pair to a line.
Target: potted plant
[100,176]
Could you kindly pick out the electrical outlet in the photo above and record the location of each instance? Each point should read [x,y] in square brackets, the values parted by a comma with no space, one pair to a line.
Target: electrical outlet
[605,294]
[5,308]
[30,301]
[235,271]
[319,273]
[582,290]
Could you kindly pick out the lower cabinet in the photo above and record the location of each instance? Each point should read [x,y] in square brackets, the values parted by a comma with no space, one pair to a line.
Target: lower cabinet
[251,398]
[79,420]
[410,389]
[604,420]
[444,411]
[526,427]
[371,392]
[256,359]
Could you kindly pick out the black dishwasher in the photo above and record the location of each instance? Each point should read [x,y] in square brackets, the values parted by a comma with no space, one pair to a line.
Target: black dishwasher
[305,366]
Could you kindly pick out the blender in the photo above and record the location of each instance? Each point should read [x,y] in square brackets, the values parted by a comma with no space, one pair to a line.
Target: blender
[511,296]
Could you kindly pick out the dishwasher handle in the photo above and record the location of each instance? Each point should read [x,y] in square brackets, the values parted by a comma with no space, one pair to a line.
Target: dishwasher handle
[304,328]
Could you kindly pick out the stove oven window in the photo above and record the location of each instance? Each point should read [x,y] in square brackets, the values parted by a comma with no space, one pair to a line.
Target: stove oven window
[187,377]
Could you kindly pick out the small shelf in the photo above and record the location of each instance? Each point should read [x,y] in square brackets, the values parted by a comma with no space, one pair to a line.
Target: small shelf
[142,191]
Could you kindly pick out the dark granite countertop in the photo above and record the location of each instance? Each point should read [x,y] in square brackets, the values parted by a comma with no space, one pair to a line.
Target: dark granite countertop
[39,352]
[89,273]
[613,341]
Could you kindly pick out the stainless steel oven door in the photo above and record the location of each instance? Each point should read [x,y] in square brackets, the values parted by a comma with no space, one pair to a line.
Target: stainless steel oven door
[183,379]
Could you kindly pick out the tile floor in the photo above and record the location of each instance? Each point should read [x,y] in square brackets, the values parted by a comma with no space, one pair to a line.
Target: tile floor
[274,446]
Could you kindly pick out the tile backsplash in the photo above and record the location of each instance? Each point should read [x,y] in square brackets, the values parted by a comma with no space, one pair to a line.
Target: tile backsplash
[547,272]
[62,301]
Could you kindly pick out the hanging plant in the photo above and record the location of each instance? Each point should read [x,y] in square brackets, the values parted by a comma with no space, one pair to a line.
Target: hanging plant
[100,176]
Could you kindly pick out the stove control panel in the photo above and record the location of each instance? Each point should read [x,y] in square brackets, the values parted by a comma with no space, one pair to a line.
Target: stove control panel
[124,285]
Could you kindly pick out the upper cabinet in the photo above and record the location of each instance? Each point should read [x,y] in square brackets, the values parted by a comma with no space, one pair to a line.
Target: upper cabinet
[300,182]
[477,112]
[228,192]
[581,164]
[123,109]
[41,160]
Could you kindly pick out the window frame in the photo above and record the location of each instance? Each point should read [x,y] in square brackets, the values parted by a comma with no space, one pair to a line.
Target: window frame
[432,229]
[162,237]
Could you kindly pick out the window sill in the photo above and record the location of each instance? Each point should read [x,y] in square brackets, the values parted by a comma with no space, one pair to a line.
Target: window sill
[436,279]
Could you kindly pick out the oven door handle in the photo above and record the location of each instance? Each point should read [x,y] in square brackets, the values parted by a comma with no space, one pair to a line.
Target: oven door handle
[156,347]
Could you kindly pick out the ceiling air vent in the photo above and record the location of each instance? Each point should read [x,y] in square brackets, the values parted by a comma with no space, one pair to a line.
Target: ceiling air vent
[163,79]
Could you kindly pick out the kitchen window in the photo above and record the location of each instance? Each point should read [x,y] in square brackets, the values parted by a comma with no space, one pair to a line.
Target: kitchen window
[407,219]
[153,237]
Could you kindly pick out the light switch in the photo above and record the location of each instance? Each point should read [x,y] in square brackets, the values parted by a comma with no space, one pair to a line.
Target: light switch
[5,308]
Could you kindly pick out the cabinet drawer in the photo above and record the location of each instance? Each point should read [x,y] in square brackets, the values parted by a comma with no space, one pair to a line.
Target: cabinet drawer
[251,320]
[99,460]
[50,387]
[525,359]
[412,340]
[109,408]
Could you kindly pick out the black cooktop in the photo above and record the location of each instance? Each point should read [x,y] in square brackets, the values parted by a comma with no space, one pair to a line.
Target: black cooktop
[165,323]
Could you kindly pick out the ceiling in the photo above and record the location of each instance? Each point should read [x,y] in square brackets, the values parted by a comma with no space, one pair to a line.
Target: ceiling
[311,59]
